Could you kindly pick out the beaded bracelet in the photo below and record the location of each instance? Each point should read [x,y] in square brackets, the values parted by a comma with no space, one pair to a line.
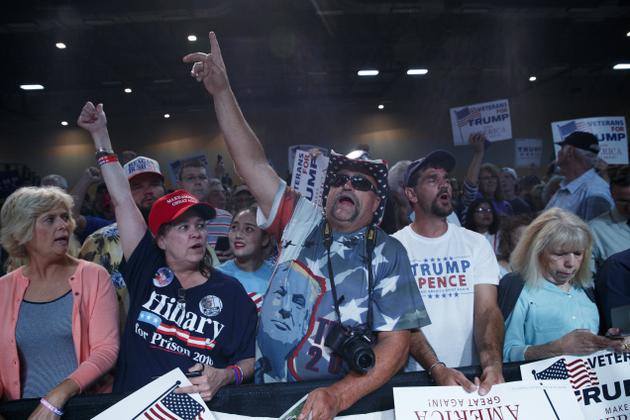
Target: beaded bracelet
[105,159]
[51,407]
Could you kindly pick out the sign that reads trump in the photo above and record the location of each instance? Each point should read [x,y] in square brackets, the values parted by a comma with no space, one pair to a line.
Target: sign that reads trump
[610,131]
[600,381]
[491,118]
[527,152]
[309,174]
[521,400]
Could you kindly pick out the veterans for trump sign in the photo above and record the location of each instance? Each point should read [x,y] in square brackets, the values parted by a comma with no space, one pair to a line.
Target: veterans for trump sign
[600,381]
[309,174]
[611,132]
[491,118]
[522,400]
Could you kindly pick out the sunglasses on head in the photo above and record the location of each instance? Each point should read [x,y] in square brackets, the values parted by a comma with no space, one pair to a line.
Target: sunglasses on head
[358,182]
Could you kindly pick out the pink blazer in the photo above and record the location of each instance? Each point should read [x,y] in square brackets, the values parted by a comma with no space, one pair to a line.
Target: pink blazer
[94,326]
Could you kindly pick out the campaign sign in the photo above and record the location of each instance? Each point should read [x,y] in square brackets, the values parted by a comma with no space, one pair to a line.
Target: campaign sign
[305,147]
[309,174]
[522,400]
[491,118]
[611,132]
[600,382]
[527,152]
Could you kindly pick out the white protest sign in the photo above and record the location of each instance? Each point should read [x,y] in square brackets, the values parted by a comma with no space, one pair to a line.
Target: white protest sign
[611,132]
[600,382]
[491,118]
[305,147]
[158,400]
[522,400]
[309,174]
[527,152]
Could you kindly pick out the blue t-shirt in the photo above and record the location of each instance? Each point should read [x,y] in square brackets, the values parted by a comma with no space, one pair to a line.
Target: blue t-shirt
[213,323]
[254,282]
[298,311]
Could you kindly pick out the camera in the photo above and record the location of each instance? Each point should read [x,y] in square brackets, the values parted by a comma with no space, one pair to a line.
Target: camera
[354,345]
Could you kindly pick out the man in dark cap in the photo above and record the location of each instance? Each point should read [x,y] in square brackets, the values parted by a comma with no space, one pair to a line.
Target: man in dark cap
[335,267]
[582,191]
[457,274]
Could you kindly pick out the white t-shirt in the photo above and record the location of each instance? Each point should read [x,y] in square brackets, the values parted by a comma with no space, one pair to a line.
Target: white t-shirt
[446,270]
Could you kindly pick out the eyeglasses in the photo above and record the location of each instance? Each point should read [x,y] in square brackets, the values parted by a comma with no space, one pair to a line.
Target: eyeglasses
[487,178]
[358,182]
[482,210]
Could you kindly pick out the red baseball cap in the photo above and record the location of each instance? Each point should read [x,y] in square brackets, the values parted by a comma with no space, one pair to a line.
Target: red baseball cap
[170,206]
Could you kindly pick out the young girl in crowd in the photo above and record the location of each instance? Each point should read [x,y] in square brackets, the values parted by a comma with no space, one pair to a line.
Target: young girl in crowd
[481,217]
[249,245]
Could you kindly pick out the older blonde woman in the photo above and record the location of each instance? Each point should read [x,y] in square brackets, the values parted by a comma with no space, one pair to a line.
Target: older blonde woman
[553,314]
[54,301]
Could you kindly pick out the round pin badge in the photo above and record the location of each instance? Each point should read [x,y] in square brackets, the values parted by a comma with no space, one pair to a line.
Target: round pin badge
[210,305]
[163,277]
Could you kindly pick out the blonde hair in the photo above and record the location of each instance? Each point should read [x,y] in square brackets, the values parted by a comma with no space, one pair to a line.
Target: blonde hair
[20,211]
[554,229]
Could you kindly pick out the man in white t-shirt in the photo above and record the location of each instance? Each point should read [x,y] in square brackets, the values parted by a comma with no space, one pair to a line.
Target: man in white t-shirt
[457,274]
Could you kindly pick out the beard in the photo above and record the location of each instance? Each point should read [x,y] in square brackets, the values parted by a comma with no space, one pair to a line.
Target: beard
[439,210]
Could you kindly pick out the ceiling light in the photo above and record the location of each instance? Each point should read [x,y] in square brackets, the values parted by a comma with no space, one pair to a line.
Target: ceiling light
[31,87]
[415,72]
[381,106]
[167,115]
[192,38]
[367,72]
[532,78]
[64,123]
[128,90]
[60,45]
[622,66]
[628,34]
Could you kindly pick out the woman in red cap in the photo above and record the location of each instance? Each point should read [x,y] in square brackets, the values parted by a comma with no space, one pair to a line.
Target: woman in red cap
[182,312]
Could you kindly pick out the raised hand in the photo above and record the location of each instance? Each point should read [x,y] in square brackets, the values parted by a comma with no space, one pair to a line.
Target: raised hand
[92,118]
[209,68]
[477,141]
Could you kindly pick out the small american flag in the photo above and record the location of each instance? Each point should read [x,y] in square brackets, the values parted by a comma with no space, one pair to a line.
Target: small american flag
[577,372]
[466,114]
[570,127]
[174,407]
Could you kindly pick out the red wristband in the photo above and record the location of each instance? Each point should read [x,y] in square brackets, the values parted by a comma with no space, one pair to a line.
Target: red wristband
[103,160]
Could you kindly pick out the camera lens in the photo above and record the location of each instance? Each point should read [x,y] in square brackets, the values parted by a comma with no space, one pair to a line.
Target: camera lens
[365,360]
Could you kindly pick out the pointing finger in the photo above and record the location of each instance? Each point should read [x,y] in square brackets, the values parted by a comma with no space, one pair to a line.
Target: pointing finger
[214,44]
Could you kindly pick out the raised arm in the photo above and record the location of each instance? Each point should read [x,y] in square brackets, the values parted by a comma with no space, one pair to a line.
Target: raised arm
[131,224]
[245,148]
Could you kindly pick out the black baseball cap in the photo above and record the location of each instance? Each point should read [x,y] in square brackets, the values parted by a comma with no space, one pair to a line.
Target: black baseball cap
[581,140]
[439,158]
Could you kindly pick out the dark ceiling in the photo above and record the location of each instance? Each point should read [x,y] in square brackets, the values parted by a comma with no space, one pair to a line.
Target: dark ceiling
[284,51]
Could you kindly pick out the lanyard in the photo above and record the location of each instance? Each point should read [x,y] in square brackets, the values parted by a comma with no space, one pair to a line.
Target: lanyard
[370,242]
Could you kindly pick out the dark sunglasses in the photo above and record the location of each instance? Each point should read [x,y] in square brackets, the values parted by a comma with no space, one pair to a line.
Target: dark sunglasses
[358,182]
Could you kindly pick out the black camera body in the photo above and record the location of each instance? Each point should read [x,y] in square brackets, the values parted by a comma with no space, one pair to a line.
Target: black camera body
[354,345]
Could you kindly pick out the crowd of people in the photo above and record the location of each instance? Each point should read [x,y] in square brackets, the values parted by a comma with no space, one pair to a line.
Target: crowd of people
[397,270]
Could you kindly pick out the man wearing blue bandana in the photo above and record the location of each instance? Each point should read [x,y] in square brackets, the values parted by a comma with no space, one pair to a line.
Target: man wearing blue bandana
[335,268]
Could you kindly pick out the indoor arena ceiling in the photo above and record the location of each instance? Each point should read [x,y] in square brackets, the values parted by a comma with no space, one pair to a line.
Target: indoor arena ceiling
[285,51]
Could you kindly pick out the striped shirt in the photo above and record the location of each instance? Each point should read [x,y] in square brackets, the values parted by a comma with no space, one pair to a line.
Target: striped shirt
[219,226]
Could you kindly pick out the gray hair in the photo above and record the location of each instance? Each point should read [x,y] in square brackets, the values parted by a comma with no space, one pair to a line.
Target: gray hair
[587,157]
[54,180]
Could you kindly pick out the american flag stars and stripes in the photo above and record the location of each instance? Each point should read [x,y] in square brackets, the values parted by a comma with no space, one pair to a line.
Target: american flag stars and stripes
[576,371]
[570,127]
[183,335]
[257,298]
[466,114]
[174,407]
